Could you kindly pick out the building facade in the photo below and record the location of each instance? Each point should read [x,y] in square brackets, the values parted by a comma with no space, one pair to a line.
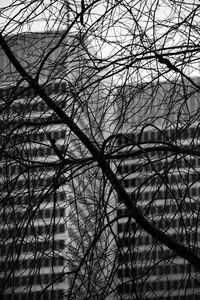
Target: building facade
[44,213]
[164,185]
[32,223]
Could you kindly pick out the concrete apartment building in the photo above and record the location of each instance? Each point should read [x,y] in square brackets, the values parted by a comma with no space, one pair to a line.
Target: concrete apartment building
[164,185]
[42,221]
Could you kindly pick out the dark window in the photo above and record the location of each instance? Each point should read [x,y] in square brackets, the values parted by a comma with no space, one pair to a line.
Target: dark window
[60,277]
[61,228]
[133,226]
[126,183]
[62,134]
[62,196]
[17,281]
[152,136]
[46,262]
[46,295]
[60,295]
[146,136]
[40,230]
[24,264]
[120,289]
[133,168]
[120,227]
[119,273]
[49,151]
[119,169]
[126,168]
[47,229]
[56,135]
[23,280]
[61,244]
[47,213]
[45,278]
[62,212]
[194,192]
[25,248]
[61,261]
[63,87]
[127,288]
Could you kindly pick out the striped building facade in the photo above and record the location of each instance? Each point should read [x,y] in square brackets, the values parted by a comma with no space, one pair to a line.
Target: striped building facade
[164,185]
[48,212]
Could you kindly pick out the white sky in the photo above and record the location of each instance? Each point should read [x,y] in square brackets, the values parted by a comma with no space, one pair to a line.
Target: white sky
[119,33]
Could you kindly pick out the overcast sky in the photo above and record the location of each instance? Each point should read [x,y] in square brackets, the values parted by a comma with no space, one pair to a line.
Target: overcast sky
[120,33]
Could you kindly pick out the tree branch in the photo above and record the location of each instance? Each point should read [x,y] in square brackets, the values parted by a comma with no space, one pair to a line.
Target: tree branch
[167,240]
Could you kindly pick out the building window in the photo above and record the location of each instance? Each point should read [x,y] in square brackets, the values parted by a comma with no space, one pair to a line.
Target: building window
[61,228]
[62,212]
[47,213]
[60,260]
[61,244]
[45,278]
[120,289]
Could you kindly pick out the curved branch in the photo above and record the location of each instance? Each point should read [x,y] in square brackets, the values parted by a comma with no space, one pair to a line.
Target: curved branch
[135,213]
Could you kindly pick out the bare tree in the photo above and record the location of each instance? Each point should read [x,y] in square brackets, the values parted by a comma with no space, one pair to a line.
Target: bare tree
[100,150]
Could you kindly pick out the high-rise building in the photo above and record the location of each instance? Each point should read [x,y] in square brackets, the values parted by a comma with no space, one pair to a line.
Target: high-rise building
[163,184]
[44,224]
